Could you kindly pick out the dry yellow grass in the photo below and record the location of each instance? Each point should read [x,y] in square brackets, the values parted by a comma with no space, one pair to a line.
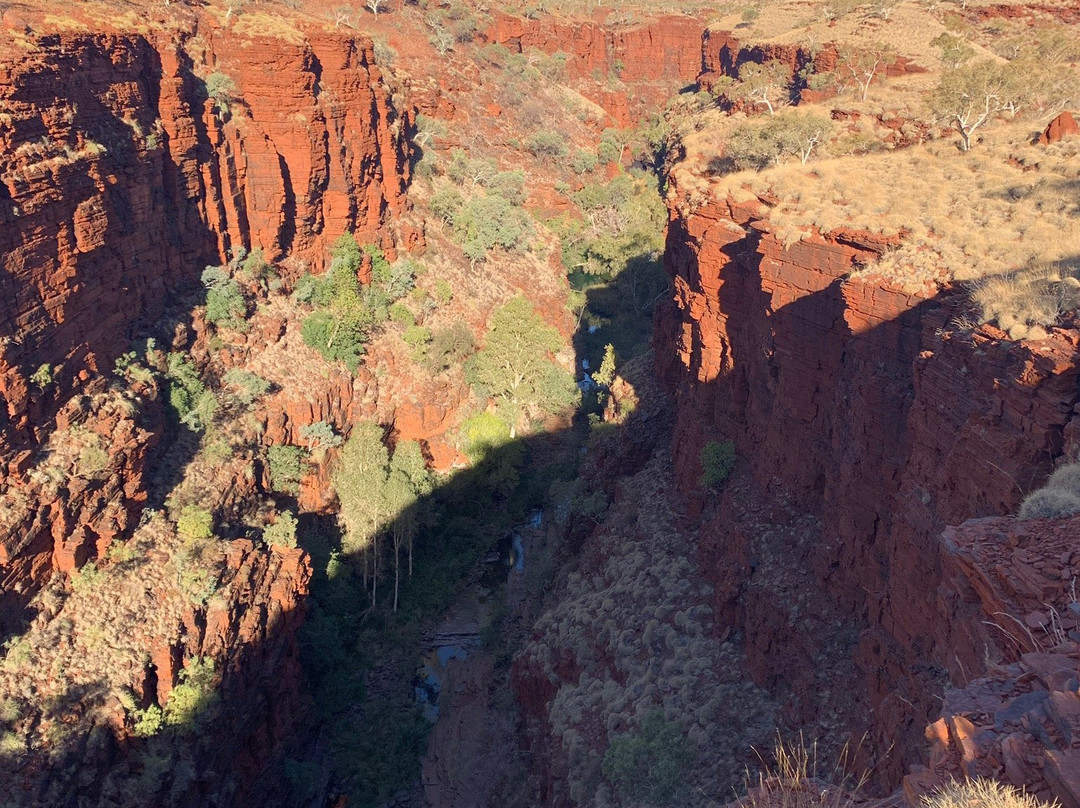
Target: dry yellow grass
[982,794]
[1003,206]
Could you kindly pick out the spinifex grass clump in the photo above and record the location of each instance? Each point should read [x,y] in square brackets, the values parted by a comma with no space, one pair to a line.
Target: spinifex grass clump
[798,779]
[982,794]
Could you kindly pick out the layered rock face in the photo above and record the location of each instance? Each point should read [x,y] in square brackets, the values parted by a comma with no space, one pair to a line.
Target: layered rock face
[127,165]
[651,57]
[121,179]
[862,406]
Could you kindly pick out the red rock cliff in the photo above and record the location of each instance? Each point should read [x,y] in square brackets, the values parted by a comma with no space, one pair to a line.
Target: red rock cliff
[119,182]
[855,403]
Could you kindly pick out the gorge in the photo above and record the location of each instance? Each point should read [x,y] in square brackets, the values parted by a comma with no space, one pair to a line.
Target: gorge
[200,206]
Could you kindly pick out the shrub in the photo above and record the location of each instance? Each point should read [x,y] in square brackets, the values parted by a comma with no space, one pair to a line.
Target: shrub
[93,459]
[320,433]
[187,393]
[489,221]
[285,468]
[221,90]
[450,347]
[444,292]
[1066,478]
[195,523]
[510,185]
[43,376]
[255,265]
[717,462]
[1049,503]
[446,203]
[648,768]
[148,722]
[86,577]
[400,314]
[283,531]
[195,694]
[582,162]
[547,145]
[249,385]
[981,793]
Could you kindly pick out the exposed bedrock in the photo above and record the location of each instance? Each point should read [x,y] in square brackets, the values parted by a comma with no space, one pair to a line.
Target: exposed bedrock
[860,405]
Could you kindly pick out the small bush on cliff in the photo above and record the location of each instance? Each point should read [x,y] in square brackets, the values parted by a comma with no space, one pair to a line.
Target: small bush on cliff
[981,793]
[248,385]
[42,377]
[195,694]
[195,523]
[283,532]
[221,90]
[285,468]
[1066,478]
[548,145]
[190,403]
[717,462]
[1049,503]
[648,768]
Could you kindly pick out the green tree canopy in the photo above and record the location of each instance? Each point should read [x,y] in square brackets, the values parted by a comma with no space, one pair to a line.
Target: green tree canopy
[515,366]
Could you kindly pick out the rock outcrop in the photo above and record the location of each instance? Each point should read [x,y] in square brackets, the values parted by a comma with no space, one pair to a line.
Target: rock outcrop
[651,59]
[863,406]
[121,179]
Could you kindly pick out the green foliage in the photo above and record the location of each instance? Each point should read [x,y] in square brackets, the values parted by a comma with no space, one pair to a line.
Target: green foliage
[220,89]
[483,433]
[624,220]
[285,468]
[757,144]
[337,339]
[547,145]
[249,385]
[488,442]
[195,523]
[385,755]
[955,51]
[444,293]
[358,480]
[717,462]
[193,696]
[605,374]
[974,95]
[42,377]
[283,531]
[417,337]
[487,221]
[255,265]
[149,722]
[93,459]
[582,162]
[446,203]
[190,402]
[515,366]
[400,314]
[649,768]
[510,185]
[320,434]
[87,577]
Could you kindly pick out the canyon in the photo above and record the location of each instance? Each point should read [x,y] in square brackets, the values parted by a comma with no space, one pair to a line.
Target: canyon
[859,574]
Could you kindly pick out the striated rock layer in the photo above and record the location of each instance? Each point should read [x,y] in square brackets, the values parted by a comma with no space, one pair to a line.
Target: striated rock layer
[857,404]
[119,181]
